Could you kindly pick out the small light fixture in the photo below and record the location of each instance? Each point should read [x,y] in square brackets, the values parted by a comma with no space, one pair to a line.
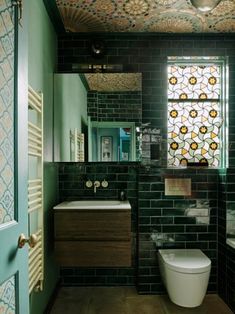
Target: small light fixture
[98,48]
[205,5]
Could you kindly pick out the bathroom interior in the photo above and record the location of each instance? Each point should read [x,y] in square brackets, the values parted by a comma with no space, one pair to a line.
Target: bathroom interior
[119,208]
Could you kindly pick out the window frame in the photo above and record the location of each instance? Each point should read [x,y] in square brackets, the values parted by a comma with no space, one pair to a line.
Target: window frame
[223,101]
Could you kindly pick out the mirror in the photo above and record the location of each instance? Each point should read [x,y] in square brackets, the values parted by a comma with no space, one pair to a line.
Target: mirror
[113,141]
[97,117]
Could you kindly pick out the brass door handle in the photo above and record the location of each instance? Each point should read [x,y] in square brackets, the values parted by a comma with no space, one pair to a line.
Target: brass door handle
[32,240]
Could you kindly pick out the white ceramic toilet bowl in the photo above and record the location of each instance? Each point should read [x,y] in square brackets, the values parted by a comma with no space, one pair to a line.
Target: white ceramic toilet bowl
[185,274]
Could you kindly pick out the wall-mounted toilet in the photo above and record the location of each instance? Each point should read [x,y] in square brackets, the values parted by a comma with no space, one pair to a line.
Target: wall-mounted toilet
[185,274]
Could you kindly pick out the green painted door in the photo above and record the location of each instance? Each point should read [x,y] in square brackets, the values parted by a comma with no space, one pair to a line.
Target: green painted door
[14,296]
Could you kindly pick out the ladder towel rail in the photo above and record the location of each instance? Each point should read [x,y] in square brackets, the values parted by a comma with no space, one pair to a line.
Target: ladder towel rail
[35,189]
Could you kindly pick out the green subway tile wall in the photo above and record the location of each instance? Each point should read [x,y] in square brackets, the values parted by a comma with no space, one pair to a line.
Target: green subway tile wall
[226,254]
[147,53]
[170,215]
[115,106]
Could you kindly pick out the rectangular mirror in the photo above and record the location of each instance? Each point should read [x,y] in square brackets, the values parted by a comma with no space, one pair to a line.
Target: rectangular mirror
[97,117]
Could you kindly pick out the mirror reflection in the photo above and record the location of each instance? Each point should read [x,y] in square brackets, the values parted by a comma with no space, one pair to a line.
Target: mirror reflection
[97,117]
[113,141]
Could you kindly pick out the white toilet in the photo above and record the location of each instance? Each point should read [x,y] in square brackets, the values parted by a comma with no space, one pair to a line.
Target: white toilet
[185,274]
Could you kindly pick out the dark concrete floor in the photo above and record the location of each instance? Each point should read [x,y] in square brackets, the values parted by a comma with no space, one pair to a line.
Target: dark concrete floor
[125,300]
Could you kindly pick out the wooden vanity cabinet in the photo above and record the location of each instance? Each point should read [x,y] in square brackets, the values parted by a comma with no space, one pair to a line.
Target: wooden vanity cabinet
[93,238]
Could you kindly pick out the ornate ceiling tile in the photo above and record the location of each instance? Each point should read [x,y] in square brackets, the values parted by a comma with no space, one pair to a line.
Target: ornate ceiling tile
[224,26]
[224,8]
[109,82]
[136,7]
[175,22]
[105,7]
[80,21]
[163,16]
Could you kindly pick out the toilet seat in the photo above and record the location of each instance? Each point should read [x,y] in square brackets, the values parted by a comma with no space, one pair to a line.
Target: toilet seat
[191,261]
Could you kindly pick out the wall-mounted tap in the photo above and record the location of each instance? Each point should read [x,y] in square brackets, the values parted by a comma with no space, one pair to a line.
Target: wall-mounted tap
[96,185]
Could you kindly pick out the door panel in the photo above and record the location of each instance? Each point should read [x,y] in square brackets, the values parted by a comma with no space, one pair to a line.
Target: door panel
[13,159]
[7,34]
[7,296]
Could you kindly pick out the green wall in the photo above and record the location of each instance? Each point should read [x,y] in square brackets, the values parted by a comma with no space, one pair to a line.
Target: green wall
[70,99]
[42,64]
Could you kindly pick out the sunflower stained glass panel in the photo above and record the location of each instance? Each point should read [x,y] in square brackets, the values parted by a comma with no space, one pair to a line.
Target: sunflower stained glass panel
[194,82]
[194,117]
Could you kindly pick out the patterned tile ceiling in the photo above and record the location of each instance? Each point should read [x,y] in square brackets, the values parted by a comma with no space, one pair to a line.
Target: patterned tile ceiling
[161,16]
[114,82]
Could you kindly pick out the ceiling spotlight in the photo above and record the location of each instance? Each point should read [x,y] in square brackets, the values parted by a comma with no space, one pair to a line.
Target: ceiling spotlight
[205,5]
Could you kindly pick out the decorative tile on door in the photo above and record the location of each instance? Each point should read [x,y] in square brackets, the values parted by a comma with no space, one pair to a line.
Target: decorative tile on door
[7,297]
[6,112]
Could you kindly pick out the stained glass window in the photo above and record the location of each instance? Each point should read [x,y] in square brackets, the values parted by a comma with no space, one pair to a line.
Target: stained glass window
[194,114]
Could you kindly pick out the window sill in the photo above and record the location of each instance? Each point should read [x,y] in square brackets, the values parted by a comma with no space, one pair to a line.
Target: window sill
[193,167]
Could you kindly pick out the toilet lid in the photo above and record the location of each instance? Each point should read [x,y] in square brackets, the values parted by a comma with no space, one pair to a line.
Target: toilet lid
[186,261]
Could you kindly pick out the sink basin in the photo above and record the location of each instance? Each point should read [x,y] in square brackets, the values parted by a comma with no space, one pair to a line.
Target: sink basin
[94,204]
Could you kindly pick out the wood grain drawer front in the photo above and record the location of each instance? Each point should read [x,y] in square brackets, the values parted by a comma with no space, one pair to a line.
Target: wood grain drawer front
[93,254]
[84,225]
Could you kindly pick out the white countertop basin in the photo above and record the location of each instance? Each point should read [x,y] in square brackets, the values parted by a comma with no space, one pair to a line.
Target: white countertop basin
[94,204]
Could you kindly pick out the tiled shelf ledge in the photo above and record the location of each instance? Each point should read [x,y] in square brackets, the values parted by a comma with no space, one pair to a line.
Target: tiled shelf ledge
[231,242]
